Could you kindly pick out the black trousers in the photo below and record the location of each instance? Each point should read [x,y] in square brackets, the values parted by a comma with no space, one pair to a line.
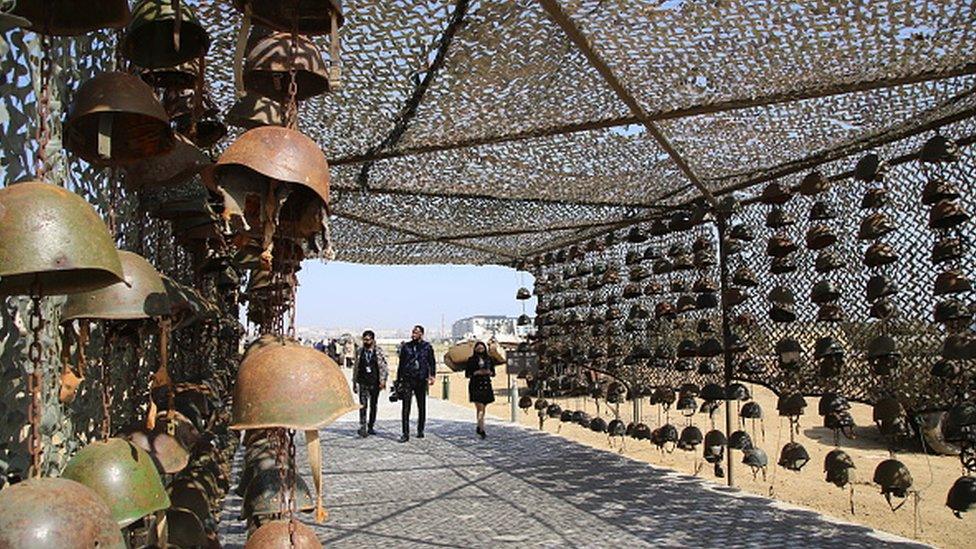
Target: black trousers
[418,390]
[367,399]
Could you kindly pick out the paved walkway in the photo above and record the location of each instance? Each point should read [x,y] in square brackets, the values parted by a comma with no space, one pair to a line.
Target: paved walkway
[524,488]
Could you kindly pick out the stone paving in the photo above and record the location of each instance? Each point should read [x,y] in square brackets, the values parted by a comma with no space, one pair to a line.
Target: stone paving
[524,488]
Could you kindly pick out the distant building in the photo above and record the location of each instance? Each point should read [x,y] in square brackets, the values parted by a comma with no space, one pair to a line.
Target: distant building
[502,328]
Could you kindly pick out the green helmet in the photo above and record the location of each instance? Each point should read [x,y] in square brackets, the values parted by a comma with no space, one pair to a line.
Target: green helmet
[123,474]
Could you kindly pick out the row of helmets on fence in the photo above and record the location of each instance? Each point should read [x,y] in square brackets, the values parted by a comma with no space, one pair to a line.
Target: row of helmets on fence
[151,122]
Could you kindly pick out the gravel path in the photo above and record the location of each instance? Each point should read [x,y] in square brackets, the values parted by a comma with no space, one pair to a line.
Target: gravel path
[523,488]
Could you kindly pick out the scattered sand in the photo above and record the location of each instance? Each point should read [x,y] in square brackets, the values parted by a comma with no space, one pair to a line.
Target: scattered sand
[933,475]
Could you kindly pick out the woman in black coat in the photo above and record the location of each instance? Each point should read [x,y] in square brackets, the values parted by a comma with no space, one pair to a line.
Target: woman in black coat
[479,370]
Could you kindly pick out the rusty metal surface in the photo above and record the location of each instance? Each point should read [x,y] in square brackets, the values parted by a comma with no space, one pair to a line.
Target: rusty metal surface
[182,76]
[141,295]
[263,494]
[268,63]
[54,236]
[306,16]
[275,535]
[289,386]
[123,475]
[139,125]
[149,39]
[165,450]
[281,154]
[55,512]
[185,528]
[73,17]
[172,168]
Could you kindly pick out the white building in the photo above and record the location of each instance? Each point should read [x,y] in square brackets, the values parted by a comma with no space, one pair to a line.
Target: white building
[504,329]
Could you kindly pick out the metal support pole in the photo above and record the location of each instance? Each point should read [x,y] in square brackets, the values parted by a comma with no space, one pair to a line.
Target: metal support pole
[446,390]
[637,410]
[513,398]
[721,225]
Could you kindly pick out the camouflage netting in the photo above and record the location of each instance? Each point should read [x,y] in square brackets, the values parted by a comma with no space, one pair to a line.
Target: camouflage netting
[478,132]
[457,120]
[205,347]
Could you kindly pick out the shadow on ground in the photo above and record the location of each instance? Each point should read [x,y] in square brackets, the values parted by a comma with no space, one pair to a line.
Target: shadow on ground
[529,489]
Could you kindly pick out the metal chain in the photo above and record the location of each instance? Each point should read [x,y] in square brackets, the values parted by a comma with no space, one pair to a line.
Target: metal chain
[34,381]
[43,110]
[293,480]
[281,461]
[106,386]
[291,109]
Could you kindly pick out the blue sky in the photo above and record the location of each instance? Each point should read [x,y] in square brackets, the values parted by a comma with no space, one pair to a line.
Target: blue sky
[350,295]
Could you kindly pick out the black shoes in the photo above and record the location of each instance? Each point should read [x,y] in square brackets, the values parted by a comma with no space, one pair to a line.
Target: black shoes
[420,434]
[481,433]
[362,431]
[404,438]
[370,431]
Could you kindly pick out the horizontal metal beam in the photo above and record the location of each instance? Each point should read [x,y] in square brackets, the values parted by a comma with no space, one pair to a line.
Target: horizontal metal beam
[519,232]
[388,227]
[400,191]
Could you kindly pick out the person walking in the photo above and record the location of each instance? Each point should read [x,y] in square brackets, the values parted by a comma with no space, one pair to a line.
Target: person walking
[479,370]
[368,379]
[415,373]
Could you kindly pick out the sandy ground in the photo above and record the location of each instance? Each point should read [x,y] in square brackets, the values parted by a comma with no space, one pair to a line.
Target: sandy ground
[934,523]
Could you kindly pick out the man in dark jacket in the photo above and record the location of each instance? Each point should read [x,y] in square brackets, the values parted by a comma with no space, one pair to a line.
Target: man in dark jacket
[414,374]
[368,378]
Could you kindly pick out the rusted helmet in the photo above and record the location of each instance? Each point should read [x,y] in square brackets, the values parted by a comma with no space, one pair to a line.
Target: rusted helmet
[126,109]
[277,153]
[616,428]
[837,465]
[665,435]
[288,385]
[192,495]
[303,16]
[174,77]
[565,417]
[960,423]
[584,420]
[554,411]
[893,478]
[714,446]
[751,410]
[72,17]
[690,438]
[123,475]
[141,295]
[757,460]
[263,494]
[53,237]
[185,529]
[740,440]
[161,36]
[56,512]
[278,535]
[525,402]
[793,456]
[175,167]
[832,402]
[641,432]
[598,425]
[269,59]
[962,495]
[540,404]
[791,405]
[165,450]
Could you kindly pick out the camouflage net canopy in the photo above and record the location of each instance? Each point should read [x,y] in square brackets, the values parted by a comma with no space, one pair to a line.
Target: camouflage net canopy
[485,131]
